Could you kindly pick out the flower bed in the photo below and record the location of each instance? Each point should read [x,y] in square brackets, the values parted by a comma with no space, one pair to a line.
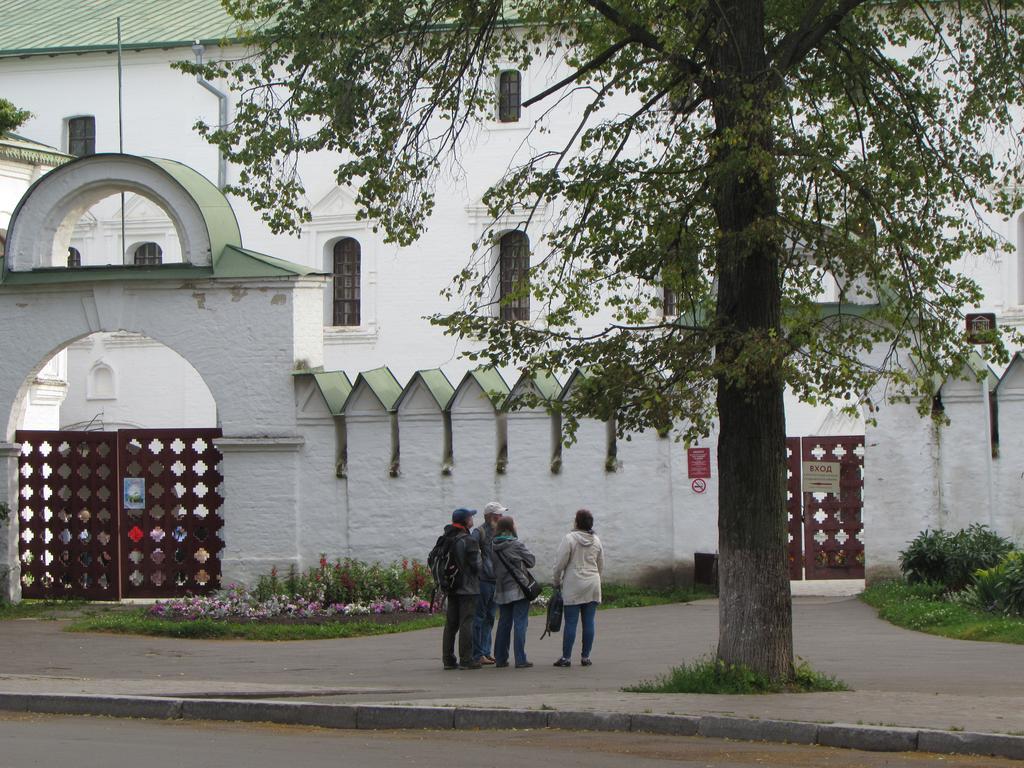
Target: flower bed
[339,591]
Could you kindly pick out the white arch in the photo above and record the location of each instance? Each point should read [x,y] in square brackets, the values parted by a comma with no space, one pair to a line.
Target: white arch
[41,227]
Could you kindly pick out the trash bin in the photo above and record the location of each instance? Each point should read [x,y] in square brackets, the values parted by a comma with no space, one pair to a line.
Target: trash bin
[705,569]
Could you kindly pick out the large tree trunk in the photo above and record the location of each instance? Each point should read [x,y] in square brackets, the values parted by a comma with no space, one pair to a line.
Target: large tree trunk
[755,610]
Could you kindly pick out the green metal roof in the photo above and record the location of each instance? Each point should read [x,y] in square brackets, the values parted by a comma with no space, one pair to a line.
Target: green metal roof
[221,223]
[241,262]
[543,382]
[335,387]
[489,380]
[382,383]
[436,383]
[20,149]
[37,27]
[585,373]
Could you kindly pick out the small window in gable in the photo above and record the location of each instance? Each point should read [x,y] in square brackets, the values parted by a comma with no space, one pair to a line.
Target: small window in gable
[82,136]
[74,258]
[346,272]
[514,276]
[146,254]
[509,96]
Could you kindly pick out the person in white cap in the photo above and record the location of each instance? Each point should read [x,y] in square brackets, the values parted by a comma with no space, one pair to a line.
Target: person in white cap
[483,622]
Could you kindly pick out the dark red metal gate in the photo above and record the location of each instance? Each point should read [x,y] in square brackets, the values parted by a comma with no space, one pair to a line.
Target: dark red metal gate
[105,515]
[826,530]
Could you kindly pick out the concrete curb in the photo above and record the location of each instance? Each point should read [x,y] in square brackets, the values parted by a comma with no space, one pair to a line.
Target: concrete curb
[384,716]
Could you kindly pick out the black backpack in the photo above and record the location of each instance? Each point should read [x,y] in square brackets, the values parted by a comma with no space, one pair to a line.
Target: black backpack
[443,564]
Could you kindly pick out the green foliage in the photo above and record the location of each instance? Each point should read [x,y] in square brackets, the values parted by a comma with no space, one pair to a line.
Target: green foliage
[951,559]
[925,607]
[11,117]
[709,675]
[999,589]
[864,135]
[348,581]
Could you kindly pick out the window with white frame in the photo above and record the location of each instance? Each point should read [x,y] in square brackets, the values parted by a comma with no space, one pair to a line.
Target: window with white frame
[514,276]
[510,91]
[346,271]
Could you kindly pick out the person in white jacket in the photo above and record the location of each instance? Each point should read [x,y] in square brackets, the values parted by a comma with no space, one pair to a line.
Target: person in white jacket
[578,565]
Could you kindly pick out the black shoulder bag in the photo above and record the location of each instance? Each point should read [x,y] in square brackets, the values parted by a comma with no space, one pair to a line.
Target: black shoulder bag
[531,588]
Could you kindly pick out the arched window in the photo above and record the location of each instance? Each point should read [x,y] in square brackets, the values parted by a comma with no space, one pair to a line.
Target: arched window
[74,257]
[346,282]
[514,276]
[147,254]
[509,96]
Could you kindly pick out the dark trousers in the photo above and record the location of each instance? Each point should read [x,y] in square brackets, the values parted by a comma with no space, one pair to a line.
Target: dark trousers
[459,619]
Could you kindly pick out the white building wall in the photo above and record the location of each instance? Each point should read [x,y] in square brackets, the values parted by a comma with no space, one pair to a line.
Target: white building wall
[965,456]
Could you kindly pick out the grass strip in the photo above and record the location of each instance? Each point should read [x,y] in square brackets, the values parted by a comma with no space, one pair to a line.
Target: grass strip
[38,609]
[710,675]
[137,621]
[922,608]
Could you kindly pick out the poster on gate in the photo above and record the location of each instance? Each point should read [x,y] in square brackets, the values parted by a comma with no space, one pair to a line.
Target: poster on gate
[135,493]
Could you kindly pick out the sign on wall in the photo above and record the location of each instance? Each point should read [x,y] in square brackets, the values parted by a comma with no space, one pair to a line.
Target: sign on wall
[821,477]
[698,463]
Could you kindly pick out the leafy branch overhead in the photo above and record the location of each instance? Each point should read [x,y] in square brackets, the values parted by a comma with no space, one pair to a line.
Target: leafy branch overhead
[11,117]
[890,130]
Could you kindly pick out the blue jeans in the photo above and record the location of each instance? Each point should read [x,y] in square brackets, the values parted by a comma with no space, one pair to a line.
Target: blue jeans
[483,622]
[512,619]
[570,615]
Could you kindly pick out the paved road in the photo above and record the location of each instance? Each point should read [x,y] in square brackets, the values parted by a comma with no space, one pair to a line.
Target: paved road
[27,741]
[900,677]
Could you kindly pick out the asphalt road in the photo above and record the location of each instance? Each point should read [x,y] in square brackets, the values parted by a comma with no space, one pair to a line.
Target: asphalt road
[27,741]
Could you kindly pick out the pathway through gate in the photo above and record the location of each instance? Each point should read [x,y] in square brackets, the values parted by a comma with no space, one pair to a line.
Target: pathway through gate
[825,526]
[109,515]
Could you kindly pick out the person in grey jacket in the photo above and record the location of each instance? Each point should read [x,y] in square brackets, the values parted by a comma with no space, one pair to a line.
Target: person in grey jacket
[511,559]
[462,599]
[483,623]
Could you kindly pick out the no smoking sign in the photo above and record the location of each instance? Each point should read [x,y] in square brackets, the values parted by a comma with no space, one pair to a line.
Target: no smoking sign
[699,486]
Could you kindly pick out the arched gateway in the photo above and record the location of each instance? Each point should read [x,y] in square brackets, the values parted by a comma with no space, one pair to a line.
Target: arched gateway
[243,320]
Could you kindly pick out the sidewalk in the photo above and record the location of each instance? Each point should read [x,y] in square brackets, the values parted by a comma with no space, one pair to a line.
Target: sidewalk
[901,679]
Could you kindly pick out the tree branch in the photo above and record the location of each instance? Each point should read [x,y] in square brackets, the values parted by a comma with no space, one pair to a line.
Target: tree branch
[805,38]
[591,65]
[644,36]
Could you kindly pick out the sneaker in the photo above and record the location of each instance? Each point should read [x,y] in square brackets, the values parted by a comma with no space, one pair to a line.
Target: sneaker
[470,665]
[585,662]
[486,660]
[563,663]
[500,664]
[524,665]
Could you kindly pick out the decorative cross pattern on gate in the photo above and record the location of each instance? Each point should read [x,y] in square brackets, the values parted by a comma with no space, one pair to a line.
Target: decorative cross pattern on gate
[826,530]
[104,515]
[68,523]
[171,536]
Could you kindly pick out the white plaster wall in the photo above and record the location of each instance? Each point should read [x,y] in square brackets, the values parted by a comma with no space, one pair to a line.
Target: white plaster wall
[965,456]
[1009,465]
[901,484]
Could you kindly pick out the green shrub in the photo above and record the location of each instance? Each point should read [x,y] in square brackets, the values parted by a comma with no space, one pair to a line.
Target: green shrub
[999,589]
[710,675]
[952,559]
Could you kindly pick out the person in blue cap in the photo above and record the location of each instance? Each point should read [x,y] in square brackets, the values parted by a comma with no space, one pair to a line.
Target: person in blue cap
[463,598]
